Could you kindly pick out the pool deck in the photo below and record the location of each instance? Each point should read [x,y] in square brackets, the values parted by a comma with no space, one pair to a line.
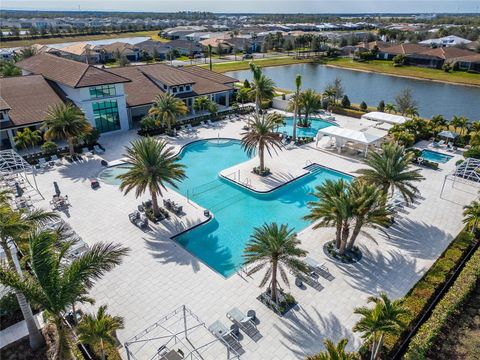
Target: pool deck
[159,275]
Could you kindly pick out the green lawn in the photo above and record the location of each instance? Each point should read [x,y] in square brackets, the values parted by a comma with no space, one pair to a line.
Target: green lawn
[386,67]
[244,64]
[153,34]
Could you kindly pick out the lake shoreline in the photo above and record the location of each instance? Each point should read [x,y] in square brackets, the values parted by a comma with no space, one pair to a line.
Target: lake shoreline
[402,76]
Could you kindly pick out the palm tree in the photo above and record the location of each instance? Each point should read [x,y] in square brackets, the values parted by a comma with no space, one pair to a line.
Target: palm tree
[66,122]
[151,165]
[334,352]
[276,247]
[437,123]
[390,170]
[14,227]
[475,127]
[210,56]
[263,87]
[201,103]
[243,95]
[411,112]
[383,318]
[99,329]
[56,283]
[368,207]
[262,136]
[310,101]
[471,215]
[166,108]
[329,93]
[390,108]
[331,209]
[296,104]
[26,138]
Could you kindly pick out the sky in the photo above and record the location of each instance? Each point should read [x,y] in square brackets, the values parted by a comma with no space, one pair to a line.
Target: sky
[248,6]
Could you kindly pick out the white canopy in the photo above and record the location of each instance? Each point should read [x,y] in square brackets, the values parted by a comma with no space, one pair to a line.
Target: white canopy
[350,135]
[384,117]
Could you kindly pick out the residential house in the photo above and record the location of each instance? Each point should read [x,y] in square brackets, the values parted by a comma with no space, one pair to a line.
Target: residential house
[219,46]
[154,48]
[118,49]
[184,47]
[446,41]
[83,52]
[388,53]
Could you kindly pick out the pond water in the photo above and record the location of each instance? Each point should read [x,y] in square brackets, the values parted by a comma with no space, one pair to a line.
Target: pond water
[433,97]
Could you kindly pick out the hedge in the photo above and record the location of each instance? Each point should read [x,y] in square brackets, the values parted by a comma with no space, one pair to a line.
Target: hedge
[448,306]
[424,291]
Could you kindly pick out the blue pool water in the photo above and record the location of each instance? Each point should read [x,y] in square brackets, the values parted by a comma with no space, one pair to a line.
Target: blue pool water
[220,242]
[311,131]
[435,156]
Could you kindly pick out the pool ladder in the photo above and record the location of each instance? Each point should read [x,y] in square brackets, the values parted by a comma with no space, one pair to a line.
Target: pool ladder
[247,182]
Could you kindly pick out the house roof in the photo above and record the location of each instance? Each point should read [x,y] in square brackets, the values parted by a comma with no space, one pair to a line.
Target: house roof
[405,49]
[380,44]
[28,98]
[117,46]
[68,72]
[474,58]
[143,88]
[448,53]
[4,105]
[77,49]
[213,42]
[184,44]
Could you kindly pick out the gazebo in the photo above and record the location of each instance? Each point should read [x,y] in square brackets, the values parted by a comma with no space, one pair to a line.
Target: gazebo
[343,136]
[449,135]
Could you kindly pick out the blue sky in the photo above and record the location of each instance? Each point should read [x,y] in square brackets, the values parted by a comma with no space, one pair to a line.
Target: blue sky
[258,6]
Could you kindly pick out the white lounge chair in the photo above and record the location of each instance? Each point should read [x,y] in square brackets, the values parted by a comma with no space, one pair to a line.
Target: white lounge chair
[202,123]
[43,163]
[56,160]
[87,152]
[245,323]
[98,150]
[210,123]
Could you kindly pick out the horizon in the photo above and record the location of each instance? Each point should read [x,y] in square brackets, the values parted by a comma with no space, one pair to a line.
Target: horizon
[259,7]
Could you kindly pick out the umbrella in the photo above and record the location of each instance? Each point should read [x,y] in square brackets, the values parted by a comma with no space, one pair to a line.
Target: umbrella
[19,189]
[57,189]
[448,134]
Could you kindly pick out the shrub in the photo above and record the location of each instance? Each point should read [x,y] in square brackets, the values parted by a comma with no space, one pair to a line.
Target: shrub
[474,152]
[345,101]
[423,292]
[381,106]
[49,147]
[148,123]
[363,106]
[399,60]
[445,310]
[91,138]
[246,84]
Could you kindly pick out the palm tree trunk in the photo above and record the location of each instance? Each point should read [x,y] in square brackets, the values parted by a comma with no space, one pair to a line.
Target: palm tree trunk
[70,146]
[295,113]
[338,235]
[35,337]
[378,347]
[343,243]
[102,349]
[257,104]
[355,232]
[274,281]
[156,209]
[262,160]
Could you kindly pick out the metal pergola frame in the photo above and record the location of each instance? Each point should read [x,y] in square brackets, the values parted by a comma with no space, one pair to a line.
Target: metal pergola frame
[468,172]
[12,163]
[186,323]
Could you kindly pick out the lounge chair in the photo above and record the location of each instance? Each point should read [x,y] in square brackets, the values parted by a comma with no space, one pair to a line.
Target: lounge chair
[202,123]
[210,123]
[43,163]
[310,281]
[226,336]
[56,160]
[319,269]
[245,323]
[98,150]
[87,152]
[138,220]
[189,128]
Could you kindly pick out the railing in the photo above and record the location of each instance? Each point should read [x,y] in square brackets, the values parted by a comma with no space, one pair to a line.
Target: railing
[247,182]
[308,162]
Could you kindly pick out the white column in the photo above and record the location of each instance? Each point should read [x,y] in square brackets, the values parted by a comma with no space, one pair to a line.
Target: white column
[227,99]
[10,138]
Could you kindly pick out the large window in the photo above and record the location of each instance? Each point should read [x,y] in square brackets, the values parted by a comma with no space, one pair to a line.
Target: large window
[102,91]
[106,115]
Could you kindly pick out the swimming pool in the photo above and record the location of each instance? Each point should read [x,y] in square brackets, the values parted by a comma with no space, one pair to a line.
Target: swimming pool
[219,243]
[316,124]
[435,156]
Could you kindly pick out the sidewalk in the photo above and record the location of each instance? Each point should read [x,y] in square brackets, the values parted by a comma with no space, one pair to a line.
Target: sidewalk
[18,331]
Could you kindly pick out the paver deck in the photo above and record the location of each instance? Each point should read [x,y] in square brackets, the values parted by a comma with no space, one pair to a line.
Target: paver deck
[159,275]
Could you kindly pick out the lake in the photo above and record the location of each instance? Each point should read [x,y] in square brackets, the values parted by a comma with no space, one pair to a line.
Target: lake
[433,98]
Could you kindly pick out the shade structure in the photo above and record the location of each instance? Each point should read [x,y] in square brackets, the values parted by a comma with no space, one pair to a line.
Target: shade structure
[343,136]
[385,117]
[448,134]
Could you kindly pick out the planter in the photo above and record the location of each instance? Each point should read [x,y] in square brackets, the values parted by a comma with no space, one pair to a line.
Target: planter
[265,172]
[349,257]
[285,301]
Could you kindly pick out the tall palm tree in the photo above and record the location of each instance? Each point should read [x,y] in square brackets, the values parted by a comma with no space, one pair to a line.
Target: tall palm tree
[261,136]
[329,93]
[296,104]
[56,283]
[335,352]
[263,88]
[471,215]
[368,207]
[65,122]
[390,170]
[475,127]
[390,108]
[310,101]
[412,113]
[210,56]
[166,108]
[27,137]
[99,329]
[330,208]
[437,124]
[277,248]
[201,103]
[151,166]
[243,95]
[383,318]
[14,227]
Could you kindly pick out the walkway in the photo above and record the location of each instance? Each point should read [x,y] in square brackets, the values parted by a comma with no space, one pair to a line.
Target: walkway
[18,331]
